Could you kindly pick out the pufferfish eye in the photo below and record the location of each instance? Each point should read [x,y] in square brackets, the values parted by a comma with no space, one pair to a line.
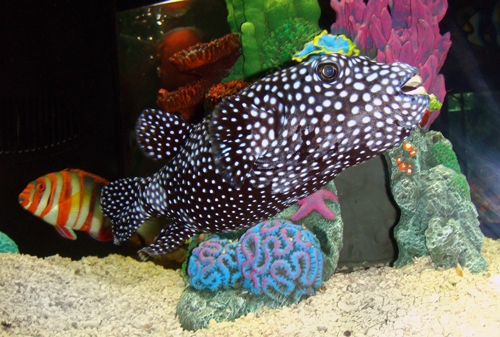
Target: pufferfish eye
[328,71]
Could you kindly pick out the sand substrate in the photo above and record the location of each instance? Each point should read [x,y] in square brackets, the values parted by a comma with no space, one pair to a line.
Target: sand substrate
[118,296]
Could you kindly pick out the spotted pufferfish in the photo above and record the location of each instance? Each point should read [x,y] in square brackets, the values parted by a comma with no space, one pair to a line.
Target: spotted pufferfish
[275,142]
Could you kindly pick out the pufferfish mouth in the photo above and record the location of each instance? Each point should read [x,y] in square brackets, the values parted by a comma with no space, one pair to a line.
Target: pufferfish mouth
[413,86]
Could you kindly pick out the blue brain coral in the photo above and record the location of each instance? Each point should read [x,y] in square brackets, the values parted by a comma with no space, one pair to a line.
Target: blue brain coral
[276,258]
[213,266]
[281,260]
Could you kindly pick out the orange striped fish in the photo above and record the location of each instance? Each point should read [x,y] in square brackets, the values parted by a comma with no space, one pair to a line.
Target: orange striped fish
[69,200]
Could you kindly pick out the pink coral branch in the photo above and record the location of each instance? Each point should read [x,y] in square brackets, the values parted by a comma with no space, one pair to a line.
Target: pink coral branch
[399,30]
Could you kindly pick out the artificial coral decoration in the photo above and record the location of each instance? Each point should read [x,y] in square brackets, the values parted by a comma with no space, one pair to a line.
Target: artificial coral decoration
[210,62]
[200,58]
[444,155]
[408,147]
[285,41]
[281,260]
[213,265]
[275,258]
[325,43]
[221,90]
[437,215]
[315,202]
[399,30]
[171,43]
[183,100]
[7,245]
[402,165]
[256,20]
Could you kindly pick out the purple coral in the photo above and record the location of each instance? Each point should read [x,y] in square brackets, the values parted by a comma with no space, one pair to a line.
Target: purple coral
[281,260]
[276,258]
[399,30]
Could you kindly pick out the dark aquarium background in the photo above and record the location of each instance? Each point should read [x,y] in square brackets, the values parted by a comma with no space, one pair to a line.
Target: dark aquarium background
[75,75]
[58,109]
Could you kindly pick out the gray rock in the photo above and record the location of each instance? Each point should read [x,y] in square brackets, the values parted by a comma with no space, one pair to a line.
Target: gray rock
[369,214]
[197,308]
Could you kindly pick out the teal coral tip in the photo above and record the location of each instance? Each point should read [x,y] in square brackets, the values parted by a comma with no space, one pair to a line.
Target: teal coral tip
[7,245]
[325,43]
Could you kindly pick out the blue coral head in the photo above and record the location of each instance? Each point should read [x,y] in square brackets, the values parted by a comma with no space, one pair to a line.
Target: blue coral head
[276,258]
[213,266]
[281,260]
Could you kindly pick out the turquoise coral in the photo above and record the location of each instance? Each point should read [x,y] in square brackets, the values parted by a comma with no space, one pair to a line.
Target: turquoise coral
[7,245]
[281,260]
[325,43]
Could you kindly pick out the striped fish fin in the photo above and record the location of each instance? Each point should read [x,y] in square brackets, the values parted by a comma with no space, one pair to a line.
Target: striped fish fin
[65,232]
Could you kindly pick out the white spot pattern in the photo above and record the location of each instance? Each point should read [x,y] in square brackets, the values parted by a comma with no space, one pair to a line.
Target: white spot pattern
[263,149]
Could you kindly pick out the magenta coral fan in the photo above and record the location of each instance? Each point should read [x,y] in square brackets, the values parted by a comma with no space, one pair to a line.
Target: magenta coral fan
[399,30]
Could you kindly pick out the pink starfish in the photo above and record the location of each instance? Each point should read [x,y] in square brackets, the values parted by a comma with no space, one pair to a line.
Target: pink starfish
[315,201]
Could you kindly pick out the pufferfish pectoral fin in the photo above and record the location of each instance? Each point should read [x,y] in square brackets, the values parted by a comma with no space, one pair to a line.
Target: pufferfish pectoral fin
[161,134]
[240,133]
[169,239]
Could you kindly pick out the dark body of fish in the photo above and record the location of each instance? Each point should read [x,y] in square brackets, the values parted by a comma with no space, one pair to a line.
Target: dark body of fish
[277,141]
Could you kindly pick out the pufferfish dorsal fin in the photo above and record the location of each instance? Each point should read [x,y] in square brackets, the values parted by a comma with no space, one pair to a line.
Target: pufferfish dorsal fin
[161,134]
[240,133]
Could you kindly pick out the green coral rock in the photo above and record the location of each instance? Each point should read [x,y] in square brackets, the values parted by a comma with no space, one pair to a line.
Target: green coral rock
[256,20]
[449,245]
[7,245]
[284,42]
[460,184]
[444,155]
[437,215]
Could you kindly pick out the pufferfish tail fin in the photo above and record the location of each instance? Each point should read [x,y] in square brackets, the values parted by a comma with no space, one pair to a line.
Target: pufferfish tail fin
[121,202]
